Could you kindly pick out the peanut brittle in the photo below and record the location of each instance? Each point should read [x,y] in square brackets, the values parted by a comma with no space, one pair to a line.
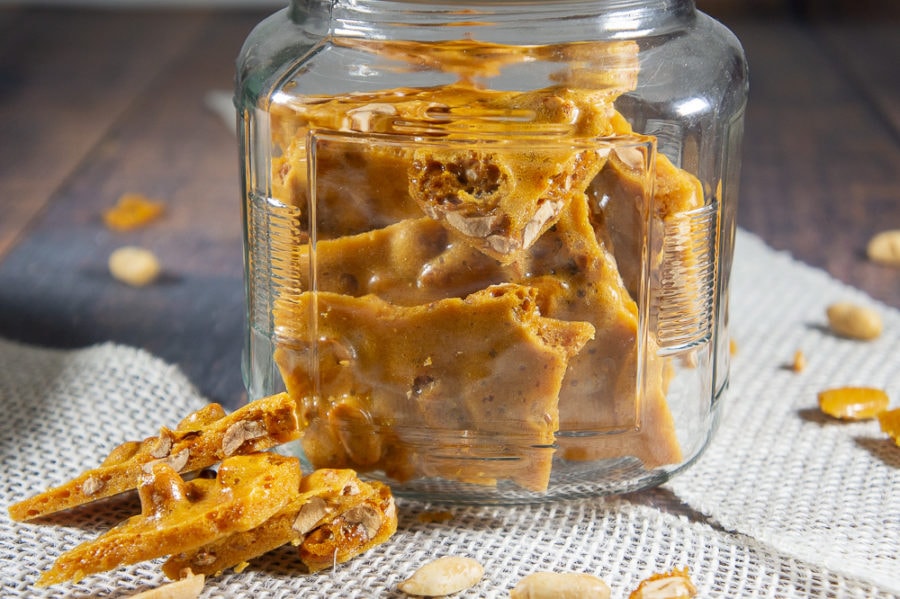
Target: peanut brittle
[352,532]
[324,496]
[501,201]
[577,279]
[513,194]
[200,440]
[413,262]
[385,371]
[178,516]
[583,224]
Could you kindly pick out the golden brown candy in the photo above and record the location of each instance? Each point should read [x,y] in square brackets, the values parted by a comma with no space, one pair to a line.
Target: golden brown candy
[177,515]
[853,403]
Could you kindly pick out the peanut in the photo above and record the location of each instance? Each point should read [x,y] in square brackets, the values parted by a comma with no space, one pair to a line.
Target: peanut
[854,321]
[560,585]
[443,576]
[187,587]
[884,248]
[134,266]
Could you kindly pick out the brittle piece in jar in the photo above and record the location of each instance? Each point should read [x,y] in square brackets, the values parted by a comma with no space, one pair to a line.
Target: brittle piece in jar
[323,496]
[577,279]
[500,201]
[412,262]
[198,441]
[360,186]
[454,388]
[178,515]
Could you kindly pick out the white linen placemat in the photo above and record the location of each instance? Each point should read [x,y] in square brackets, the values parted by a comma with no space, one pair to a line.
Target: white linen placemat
[780,471]
[800,506]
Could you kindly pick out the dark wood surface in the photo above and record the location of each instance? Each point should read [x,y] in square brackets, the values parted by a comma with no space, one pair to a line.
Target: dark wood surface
[97,103]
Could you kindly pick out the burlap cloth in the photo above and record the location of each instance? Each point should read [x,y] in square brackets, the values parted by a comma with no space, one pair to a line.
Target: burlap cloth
[784,503]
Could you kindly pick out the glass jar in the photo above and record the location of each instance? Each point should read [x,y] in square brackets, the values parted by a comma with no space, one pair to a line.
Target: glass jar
[488,243]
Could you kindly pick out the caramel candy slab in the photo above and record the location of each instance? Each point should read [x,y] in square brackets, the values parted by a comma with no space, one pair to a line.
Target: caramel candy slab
[323,496]
[200,440]
[387,373]
[178,516]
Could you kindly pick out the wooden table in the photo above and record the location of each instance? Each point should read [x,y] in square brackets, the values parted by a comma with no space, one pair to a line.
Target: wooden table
[94,104]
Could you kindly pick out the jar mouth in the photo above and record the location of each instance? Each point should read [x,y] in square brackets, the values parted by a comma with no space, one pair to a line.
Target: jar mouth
[506,21]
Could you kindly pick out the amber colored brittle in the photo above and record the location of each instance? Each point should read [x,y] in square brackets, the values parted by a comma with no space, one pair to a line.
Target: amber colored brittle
[675,584]
[577,279]
[415,261]
[352,532]
[387,371]
[322,497]
[889,421]
[177,515]
[580,228]
[853,403]
[132,211]
[200,440]
[500,202]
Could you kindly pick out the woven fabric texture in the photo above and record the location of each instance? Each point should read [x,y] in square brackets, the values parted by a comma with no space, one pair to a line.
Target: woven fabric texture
[784,503]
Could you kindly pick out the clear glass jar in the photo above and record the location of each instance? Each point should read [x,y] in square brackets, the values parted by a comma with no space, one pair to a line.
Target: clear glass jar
[487,242]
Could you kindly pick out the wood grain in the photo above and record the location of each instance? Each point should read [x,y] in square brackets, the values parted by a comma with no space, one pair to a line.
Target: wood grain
[66,78]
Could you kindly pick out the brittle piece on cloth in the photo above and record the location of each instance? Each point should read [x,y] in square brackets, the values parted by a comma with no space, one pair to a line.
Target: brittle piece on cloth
[353,532]
[177,515]
[324,495]
[200,440]
[459,369]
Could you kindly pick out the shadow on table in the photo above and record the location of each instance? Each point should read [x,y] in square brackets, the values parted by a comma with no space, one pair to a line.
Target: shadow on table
[882,449]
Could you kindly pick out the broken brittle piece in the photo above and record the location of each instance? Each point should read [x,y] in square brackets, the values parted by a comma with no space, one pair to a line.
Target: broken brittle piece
[323,496]
[352,532]
[501,201]
[385,371]
[177,515]
[200,440]
[132,211]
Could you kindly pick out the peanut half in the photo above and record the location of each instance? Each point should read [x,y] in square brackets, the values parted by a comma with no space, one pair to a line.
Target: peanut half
[188,587]
[134,266]
[443,576]
[854,321]
[884,248]
[560,585]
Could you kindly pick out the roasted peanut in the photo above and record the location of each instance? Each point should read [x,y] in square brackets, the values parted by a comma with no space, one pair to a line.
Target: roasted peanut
[133,265]
[560,585]
[854,321]
[884,248]
[443,576]
[188,587]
